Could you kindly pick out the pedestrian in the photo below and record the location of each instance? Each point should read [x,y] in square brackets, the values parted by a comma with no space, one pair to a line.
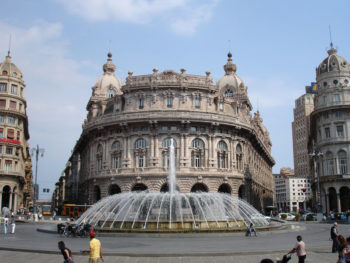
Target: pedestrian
[66,253]
[299,248]
[6,222]
[251,229]
[54,215]
[12,223]
[347,251]
[95,249]
[342,246]
[334,237]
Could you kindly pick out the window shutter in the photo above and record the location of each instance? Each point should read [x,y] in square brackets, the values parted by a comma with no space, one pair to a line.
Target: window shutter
[10,134]
[2,103]
[13,104]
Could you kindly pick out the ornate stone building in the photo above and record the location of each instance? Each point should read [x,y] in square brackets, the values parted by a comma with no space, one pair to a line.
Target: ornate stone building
[330,133]
[219,145]
[15,161]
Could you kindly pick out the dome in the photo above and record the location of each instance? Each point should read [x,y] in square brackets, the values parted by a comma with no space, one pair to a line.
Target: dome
[230,79]
[7,68]
[333,62]
[108,83]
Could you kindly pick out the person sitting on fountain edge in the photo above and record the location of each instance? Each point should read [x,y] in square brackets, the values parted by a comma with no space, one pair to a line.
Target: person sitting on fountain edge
[251,229]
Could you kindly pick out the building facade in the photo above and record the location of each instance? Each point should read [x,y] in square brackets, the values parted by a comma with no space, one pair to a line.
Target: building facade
[304,105]
[330,134]
[291,193]
[15,161]
[124,145]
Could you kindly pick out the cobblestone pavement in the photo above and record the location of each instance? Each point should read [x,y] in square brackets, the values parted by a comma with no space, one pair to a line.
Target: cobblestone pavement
[20,257]
[170,248]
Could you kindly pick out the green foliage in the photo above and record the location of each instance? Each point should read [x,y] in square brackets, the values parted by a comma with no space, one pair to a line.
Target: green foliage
[284,216]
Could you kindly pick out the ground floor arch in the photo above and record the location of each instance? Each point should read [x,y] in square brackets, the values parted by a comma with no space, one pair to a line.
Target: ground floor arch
[97,193]
[6,191]
[114,189]
[199,187]
[225,188]
[139,187]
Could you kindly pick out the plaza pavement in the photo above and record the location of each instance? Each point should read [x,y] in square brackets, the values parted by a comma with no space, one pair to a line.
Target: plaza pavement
[170,248]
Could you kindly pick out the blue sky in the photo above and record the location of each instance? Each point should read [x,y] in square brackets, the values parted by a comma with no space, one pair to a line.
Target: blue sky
[61,45]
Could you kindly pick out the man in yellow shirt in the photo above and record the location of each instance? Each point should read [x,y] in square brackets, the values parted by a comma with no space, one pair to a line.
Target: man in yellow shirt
[95,249]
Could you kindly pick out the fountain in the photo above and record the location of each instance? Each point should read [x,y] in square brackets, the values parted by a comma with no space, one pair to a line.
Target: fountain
[171,211]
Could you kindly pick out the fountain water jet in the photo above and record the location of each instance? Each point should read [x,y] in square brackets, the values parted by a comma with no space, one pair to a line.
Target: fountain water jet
[171,211]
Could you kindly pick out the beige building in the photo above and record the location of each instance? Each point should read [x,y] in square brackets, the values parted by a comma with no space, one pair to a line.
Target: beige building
[124,145]
[304,105]
[330,133]
[15,161]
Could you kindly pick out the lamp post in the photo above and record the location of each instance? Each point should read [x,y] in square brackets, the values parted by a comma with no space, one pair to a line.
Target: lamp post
[316,155]
[37,151]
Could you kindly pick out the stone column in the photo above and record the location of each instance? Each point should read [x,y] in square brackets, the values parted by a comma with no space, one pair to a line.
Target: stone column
[152,148]
[0,200]
[185,146]
[338,202]
[327,203]
[10,201]
[157,148]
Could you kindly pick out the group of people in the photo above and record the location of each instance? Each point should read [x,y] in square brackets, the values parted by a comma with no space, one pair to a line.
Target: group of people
[95,250]
[340,244]
[9,224]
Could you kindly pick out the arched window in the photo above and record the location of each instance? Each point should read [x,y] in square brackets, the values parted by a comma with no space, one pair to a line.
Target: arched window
[165,151]
[239,157]
[222,155]
[329,164]
[228,93]
[342,158]
[116,154]
[99,155]
[198,153]
[140,153]
[110,93]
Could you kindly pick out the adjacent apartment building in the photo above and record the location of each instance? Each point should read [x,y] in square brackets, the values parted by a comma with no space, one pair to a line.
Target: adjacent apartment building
[15,160]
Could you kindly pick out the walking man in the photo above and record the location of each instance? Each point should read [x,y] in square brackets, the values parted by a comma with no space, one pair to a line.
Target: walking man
[13,224]
[66,253]
[6,223]
[334,237]
[95,249]
[300,249]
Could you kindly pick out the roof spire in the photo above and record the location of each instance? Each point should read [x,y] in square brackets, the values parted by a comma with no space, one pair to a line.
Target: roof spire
[330,36]
[230,68]
[9,51]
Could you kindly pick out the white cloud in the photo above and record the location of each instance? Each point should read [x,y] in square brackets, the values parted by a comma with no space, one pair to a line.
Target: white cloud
[56,91]
[183,16]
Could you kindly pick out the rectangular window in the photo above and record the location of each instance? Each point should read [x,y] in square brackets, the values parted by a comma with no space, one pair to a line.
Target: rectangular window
[10,134]
[197,103]
[2,103]
[18,135]
[141,103]
[20,107]
[169,102]
[336,98]
[338,114]
[340,131]
[11,120]
[0,149]
[9,150]
[1,132]
[116,107]
[324,100]
[13,104]
[8,165]
[3,87]
[21,93]
[13,89]
[141,161]
[327,132]
[2,118]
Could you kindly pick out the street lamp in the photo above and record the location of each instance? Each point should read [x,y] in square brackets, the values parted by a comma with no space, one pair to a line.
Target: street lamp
[316,155]
[37,151]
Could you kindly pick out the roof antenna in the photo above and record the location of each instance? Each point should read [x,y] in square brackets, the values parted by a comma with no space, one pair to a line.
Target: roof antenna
[330,36]
[229,46]
[9,51]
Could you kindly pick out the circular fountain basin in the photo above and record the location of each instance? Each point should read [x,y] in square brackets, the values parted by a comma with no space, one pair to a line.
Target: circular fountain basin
[172,212]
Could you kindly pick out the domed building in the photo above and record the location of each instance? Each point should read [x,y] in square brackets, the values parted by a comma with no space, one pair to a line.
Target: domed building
[15,161]
[330,138]
[124,145]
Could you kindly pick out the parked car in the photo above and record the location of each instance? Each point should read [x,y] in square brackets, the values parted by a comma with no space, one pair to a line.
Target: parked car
[289,216]
[260,216]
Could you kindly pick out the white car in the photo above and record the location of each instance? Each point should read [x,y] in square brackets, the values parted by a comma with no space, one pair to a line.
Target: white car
[289,216]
